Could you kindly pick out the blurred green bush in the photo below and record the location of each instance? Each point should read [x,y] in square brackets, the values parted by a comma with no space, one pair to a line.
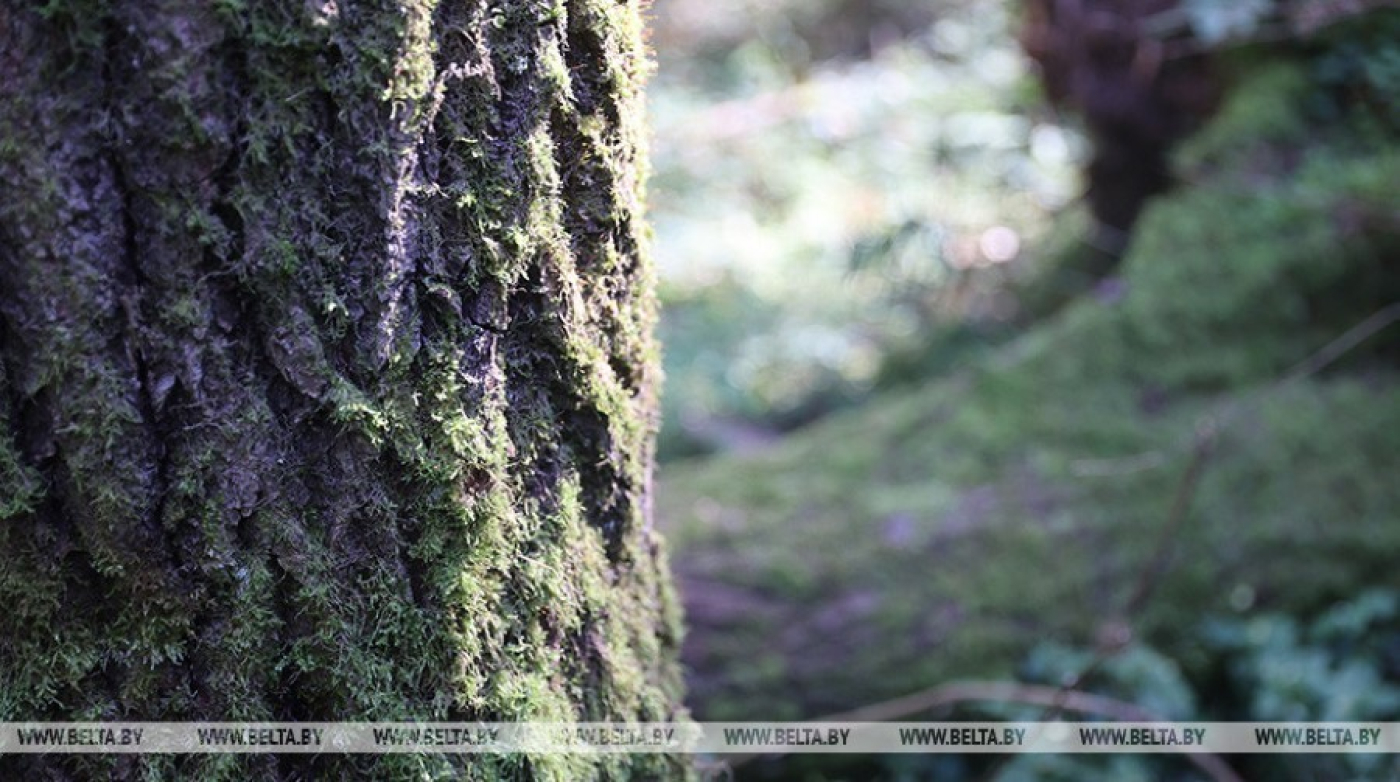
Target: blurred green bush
[832,182]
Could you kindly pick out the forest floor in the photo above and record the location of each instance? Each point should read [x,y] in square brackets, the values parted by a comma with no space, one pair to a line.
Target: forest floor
[1211,433]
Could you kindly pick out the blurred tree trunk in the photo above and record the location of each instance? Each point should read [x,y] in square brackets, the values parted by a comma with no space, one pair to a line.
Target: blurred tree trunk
[327,384]
[1138,92]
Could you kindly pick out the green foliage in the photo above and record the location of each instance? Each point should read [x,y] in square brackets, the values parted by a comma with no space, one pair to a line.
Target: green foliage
[1360,69]
[1339,665]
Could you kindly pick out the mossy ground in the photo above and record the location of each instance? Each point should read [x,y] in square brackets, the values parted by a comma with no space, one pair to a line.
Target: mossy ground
[940,532]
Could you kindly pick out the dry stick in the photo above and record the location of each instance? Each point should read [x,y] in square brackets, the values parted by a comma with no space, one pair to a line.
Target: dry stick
[1181,503]
[1067,697]
[1344,344]
[1322,358]
[1224,413]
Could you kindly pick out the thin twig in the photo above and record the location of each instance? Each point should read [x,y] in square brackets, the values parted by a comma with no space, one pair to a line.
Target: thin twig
[1181,503]
[1225,412]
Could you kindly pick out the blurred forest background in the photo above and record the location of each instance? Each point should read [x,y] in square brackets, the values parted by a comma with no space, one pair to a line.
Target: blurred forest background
[1043,343]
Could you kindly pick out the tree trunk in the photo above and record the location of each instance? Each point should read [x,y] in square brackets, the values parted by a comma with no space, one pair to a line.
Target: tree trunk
[328,383]
[1139,94]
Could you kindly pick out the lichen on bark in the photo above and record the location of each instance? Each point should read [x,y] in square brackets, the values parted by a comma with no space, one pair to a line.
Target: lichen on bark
[329,383]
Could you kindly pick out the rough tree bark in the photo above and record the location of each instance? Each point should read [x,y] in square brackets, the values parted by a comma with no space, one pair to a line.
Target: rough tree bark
[327,383]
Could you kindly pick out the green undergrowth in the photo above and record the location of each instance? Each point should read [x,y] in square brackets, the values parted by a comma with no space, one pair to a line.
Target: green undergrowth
[940,532]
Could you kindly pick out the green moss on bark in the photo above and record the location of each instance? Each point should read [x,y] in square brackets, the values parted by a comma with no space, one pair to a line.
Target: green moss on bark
[329,378]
